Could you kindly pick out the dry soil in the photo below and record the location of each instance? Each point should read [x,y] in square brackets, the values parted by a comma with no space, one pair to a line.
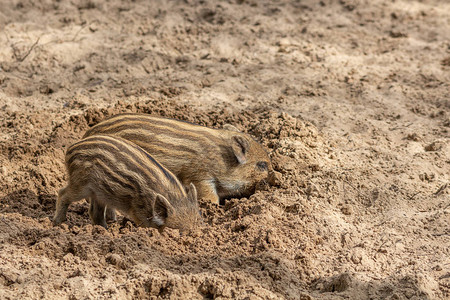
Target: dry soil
[351,98]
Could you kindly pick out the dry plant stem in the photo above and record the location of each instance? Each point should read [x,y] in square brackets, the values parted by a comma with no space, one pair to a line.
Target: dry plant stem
[22,58]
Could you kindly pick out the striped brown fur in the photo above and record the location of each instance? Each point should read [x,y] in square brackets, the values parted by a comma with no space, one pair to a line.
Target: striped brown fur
[114,172]
[222,163]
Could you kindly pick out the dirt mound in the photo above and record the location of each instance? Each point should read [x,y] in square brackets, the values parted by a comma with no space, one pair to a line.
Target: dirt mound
[267,245]
[249,243]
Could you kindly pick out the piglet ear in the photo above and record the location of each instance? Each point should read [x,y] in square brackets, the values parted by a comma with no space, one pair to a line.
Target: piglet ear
[230,127]
[192,193]
[161,210]
[240,148]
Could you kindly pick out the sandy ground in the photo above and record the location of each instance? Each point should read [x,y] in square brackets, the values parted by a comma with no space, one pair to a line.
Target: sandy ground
[351,99]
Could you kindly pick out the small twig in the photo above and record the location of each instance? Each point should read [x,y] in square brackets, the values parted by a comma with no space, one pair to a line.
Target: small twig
[76,34]
[412,197]
[400,127]
[21,59]
[440,234]
[382,223]
[441,189]
[345,181]
[1,219]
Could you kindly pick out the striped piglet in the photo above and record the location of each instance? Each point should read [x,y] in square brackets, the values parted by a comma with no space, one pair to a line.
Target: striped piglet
[221,163]
[114,172]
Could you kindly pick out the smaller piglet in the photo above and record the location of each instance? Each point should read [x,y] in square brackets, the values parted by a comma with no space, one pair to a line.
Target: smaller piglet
[114,172]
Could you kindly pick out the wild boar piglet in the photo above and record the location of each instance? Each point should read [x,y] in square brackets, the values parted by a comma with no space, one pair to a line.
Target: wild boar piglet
[221,163]
[111,171]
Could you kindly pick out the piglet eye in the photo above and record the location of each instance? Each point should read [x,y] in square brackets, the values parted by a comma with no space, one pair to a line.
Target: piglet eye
[261,165]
